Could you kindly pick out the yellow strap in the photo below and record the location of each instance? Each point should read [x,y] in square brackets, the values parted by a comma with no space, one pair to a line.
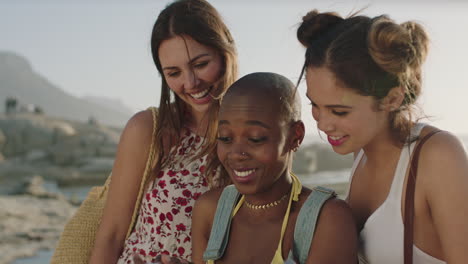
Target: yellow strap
[146,173]
[294,196]
[297,186]
[295,192]
[238,206]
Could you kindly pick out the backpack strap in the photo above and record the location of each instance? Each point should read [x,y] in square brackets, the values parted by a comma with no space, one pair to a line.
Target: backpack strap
[307,220]
[219,236]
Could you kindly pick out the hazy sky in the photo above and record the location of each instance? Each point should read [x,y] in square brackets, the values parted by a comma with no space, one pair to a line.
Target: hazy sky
[102,48]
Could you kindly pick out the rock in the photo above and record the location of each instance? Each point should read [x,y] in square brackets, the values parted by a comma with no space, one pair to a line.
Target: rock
[95,164]
[35,155]
[2,139]
[24,132]
[68,152]
[28,223]
[35,186]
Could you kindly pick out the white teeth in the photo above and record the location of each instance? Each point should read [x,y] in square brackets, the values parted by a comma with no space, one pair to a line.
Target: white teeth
[335,138]
[243,173]
[200,94]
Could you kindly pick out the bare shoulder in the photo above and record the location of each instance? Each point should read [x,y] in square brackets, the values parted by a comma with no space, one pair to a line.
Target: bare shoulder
[140,123]
[442,172]
[129,167]
[209,200]
[332,208]
[136,137]
[202,221]
[205,209]
[133,148]
[443,141]
[442,152]
[335,232]
[337,212]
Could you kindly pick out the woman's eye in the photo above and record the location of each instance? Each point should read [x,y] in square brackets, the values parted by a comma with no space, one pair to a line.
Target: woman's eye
[338,113]
[201,64]
[258,140]
[173,74]
[224,139]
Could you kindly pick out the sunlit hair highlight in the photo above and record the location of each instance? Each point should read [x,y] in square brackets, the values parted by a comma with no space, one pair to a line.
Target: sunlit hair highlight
[201,21]
[370,56]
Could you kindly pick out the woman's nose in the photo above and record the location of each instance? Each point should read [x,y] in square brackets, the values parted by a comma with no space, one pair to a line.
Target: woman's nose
[191,80]
[238,151]
[325,123]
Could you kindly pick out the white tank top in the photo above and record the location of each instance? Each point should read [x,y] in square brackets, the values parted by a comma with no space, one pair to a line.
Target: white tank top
[382,235]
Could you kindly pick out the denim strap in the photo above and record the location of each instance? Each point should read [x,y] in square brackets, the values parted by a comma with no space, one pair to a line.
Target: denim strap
[219,236]
[307,220]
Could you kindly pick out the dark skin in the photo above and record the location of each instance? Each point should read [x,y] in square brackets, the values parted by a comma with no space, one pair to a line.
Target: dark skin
[257,236]
[254,136]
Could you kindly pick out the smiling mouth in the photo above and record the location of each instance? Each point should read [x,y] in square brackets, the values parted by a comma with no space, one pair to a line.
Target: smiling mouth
[335,138]
[244,173]
[202,93]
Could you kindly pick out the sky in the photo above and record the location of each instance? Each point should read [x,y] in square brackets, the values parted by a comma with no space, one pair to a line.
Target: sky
[102,48]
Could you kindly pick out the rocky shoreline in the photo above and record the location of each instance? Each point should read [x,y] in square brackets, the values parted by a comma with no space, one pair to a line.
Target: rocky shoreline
[70,153]
[31,221]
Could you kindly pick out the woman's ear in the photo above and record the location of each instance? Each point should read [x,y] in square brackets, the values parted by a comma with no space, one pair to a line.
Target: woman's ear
[393,100]
[297,135]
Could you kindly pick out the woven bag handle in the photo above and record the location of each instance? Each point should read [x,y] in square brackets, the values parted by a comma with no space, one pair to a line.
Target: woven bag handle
[146,173]
[409,201]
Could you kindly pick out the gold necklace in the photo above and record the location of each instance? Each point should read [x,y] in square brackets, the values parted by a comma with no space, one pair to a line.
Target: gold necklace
[265,206]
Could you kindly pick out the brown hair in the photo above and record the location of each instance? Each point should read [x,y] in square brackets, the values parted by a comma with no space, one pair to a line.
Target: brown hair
[202,22]
[370,56]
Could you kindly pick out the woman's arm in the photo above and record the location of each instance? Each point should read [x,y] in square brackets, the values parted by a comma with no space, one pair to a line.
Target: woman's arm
[335,238]
[202,220]
[127,173]
[443,171]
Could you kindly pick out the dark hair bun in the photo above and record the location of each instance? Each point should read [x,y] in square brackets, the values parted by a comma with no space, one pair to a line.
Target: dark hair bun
[315,24]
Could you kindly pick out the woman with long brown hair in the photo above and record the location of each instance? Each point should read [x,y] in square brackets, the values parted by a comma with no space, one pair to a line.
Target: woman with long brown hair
[195,54]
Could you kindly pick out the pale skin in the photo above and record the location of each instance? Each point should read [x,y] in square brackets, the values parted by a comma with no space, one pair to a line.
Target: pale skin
[189,68]
[440,226]
[250,126]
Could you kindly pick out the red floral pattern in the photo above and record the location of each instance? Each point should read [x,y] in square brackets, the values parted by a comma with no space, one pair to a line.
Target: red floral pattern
[164,220]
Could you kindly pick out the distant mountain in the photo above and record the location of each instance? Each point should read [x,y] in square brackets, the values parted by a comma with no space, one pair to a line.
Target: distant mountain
[18,79]
[111,103]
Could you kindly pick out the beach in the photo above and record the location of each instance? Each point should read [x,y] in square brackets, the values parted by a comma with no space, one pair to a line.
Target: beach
[35,223]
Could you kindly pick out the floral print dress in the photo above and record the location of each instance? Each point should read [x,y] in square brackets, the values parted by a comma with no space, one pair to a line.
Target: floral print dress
[164,219]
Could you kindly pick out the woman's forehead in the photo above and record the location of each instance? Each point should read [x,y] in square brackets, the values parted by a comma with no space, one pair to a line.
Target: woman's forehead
[248,102]
[250,106]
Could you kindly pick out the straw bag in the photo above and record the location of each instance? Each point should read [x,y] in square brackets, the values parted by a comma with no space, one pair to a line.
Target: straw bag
[77,239]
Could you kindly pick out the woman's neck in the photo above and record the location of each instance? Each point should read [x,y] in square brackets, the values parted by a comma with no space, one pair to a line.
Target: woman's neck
[278,189]
[197,122]
[382,150]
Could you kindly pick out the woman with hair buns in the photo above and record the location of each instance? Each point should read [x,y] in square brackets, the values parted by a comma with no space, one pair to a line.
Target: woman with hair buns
[195,55]
[363,78]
